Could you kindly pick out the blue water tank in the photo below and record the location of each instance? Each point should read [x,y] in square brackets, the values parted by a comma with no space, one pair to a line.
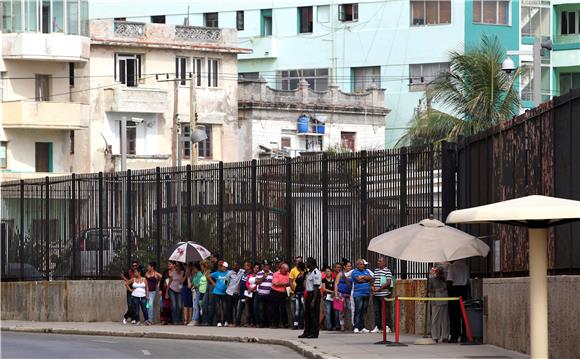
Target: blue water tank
[320,128]
[303,124]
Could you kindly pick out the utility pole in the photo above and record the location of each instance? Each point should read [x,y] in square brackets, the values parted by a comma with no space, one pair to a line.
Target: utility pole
[174,132]
[537,58]
[124,180]
[193,117]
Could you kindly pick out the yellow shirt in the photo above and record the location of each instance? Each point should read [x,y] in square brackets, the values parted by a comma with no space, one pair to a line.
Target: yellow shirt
[293,274]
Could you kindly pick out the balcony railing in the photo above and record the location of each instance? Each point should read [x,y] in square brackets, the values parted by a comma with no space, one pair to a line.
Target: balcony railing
[196,34]
[129,29]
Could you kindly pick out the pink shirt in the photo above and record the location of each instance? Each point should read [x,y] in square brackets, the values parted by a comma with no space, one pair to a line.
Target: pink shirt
[280,278]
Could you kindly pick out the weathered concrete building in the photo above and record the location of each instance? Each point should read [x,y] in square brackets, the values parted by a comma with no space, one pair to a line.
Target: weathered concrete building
[293,122]
[142,73]
[43,47]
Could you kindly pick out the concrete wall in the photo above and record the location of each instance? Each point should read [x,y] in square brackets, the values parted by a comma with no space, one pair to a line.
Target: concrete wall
[506,314]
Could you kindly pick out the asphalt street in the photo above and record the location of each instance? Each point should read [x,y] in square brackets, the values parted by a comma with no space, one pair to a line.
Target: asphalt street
[26,345]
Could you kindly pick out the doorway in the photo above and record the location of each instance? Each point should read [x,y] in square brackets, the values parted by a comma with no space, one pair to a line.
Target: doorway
[43,156]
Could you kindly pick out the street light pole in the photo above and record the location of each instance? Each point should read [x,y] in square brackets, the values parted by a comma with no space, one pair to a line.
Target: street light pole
[124,181]
[537,59]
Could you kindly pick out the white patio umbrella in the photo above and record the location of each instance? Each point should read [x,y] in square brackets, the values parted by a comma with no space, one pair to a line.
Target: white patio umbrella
[428,241]
[188,252]
[537,213]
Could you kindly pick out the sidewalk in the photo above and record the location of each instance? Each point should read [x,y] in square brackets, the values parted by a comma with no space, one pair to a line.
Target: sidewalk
[329,345]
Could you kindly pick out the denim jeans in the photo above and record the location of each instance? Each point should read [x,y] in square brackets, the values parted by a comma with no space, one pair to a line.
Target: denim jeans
[151,303]
[346,309]
[176,306]
[139,303]
[378,309]
[219,308]
[361,304]
[261,310]
[207,307]
[328,314]
[240,310]
[298,308]
[196,309]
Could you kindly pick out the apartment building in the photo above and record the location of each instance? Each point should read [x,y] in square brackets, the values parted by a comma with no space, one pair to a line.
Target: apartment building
[565,58]
[167,82]
[45,44]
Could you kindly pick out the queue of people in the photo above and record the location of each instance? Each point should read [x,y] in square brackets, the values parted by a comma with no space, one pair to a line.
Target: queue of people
[268,294]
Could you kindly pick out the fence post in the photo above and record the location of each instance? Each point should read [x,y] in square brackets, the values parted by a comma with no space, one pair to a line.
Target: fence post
[73,226]
[188,203]
[101,215]
[47,229]
[403,200]
[324,209]
[128,218]
[364,230]
[448,168]
[289,211]
[221,208]
[254,195]
[158,201]
[21,229]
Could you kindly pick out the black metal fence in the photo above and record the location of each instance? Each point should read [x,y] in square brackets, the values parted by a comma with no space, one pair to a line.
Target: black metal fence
[326,205]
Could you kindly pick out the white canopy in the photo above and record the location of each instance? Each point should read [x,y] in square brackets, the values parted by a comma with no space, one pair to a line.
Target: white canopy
[530,211]
[428,241]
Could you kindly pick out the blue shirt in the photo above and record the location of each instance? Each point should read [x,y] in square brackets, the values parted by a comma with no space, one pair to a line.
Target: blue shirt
[220,282]
[360,289]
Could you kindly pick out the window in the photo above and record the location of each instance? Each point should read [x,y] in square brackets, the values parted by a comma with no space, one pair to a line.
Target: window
[305,19]
[430,12]
[210,19]
[569,23]
[204,149]
[536,19]
[266,23]
[568,82]
[71,74]
[181,69]
[249,75]
[43,156]
[131,138]
[285,142]
[128,69]
[494,12]
[317,78]
[364,78]
[239,20]
[212,72]
[3,154]
[422,74]
[348,140]
[186,141]
[71,136]
[323,13]
[348,12]
[158,19]
[42,85]
[197,70]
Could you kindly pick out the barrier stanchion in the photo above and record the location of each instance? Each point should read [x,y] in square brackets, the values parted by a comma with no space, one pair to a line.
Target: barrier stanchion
[467,326]
[397,328]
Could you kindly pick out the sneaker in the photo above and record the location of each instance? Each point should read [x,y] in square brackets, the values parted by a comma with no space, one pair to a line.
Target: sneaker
[124,320]
[133,322]
[364,330]
[219,324]
[356,331]
[148,322]
[376,330]
[138,323]
[388,329]
[190,324]
[225,324]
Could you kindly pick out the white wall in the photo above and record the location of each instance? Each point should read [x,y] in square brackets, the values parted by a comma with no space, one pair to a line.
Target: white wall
[21,149]
[149,136]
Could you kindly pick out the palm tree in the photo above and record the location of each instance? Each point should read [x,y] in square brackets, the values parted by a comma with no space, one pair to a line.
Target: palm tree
[474,94]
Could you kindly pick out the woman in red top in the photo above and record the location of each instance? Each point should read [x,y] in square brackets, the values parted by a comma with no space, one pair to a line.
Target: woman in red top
[278,296]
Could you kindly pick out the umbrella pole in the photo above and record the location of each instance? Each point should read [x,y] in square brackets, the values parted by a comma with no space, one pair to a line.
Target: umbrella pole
[538,244]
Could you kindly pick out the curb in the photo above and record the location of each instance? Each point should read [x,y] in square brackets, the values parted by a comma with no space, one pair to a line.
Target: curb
[303,350]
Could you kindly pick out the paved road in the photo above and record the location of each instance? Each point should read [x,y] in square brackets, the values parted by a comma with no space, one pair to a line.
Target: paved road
[26,345]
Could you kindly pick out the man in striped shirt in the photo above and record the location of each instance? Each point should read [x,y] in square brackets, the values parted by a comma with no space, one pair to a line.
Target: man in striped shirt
[262,304]
[381,289]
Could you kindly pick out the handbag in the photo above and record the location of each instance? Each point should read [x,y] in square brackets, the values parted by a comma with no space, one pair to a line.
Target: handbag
[338,304]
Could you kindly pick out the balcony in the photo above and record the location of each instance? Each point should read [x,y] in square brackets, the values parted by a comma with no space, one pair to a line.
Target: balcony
[45,47]
[136,99]
[45,115]
[262,48]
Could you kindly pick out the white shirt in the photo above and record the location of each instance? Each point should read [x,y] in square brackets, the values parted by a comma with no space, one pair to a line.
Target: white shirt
[313,278]
[458,273]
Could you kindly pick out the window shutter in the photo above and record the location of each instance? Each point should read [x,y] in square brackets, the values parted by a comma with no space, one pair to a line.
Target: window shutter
[341,12]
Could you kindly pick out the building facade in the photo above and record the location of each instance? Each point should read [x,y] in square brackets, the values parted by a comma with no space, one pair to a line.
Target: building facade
[154,77]
[44,46]
[289,123]
[397,45]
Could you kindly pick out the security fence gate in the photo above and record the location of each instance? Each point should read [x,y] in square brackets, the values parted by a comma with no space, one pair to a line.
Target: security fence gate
[327,206]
